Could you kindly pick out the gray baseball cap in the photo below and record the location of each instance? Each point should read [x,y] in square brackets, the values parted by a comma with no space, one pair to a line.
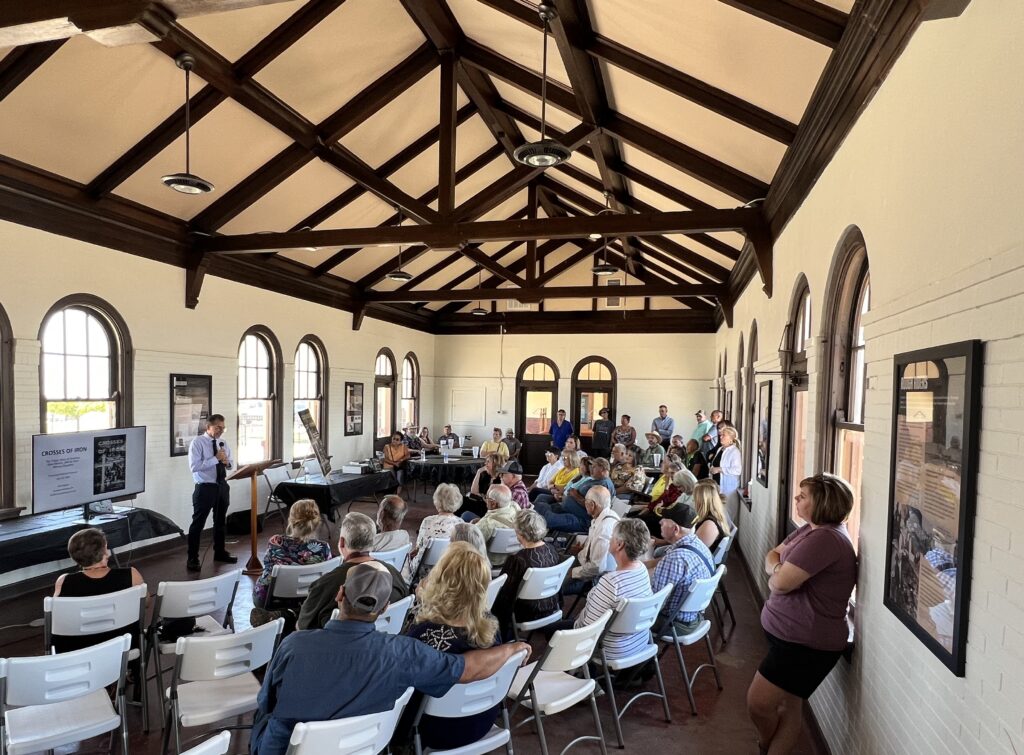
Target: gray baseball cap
[368,587]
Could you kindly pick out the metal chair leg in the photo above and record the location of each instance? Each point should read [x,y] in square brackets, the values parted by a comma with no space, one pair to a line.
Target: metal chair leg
[167,731]
[686,677]
[508,728]
[597,723]
[124,725]
[615,707]
[714,664]
[540,727]
[661,686]
[177,727]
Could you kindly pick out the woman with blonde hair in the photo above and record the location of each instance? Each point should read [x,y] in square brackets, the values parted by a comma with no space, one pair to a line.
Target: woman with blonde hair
[296,547]
[570,471]
[452,617]
[727,462]
[710,523]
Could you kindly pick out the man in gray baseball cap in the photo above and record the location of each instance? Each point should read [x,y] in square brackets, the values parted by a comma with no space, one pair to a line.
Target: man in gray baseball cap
[348,668]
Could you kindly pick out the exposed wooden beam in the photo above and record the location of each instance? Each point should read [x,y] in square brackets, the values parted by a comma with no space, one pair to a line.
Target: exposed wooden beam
[532,199]
[487,263]
[22,62]
[451,259]
[816,21]
[195,273]
[446,146]
[574,323]
[535,294]
[569,262]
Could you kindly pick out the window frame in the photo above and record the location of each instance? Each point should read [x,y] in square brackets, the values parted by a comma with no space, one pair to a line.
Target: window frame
[796,381]
[275,383]
[6,411]
[748,442]
[323,385]
[410,358]
[385,381]
[578,386]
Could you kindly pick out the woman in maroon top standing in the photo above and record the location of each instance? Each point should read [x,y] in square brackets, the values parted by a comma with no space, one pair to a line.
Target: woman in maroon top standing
[811,575]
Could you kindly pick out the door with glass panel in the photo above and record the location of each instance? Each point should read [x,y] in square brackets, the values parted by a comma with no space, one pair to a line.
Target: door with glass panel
[536,396]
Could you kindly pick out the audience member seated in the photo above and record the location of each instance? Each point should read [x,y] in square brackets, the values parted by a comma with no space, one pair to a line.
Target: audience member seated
[350,669]
[627,478]
[662,486]
[296,547]
[501,513]
[625,433]
[514,444]
[448,435]
[570,515]
[390,515]
[590,555]
[710,522]
[396,458]
[355,540]
[425,442]
[674,504]
[695,461]
[487,474]
[447,500]
[411,438]
[677,447]
[452,617]
[567,474]
[654,451]
[496,445]
[601,429]
[547,473]
[685,561]
[512,477]
[530,531]
[88,549]
[465,532]
[572,443]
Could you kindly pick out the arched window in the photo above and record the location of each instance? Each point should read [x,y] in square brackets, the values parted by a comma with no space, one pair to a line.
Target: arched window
[749,429]
[259,412]
[85,367]
[536,397]
[311,378]
[795,405]
[6,411]
[737,418]
[844,378]
[383,395]
[593,388]
[410,410]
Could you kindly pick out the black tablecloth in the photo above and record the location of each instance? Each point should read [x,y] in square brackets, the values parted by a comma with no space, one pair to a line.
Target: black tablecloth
[40,539]
[335,490]
[433,470]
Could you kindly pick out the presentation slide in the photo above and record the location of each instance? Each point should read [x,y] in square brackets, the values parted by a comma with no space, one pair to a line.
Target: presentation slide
[72,469]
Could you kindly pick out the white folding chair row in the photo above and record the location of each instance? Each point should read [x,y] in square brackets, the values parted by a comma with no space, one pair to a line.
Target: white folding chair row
[99,614]
[504,542]
[54,700]
[546,687]
[274,476]
[539,583]
[217,745]
[465,700]
[393,618]
[213,678]
[494,588]
[721,556]
[293,582]
[394,557]
[435,549]
[698,600]
[358,735]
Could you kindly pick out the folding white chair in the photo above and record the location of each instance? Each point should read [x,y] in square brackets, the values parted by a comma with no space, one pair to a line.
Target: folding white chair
[358,735]
[55,700]
[701,593]
[435,549]
[547,687]
[193,599]
[293,582]
[394,557]
[274,477]
[494,588]
[98,614]
[218,745]
[312,468]
[213,678]
[721,556]
[620,506]
[504,542]
[632,616]
[539,583]
[467,699]
[391,621]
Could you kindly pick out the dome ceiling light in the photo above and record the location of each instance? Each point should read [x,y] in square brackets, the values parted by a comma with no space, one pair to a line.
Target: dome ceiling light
[187,182]
[543,153]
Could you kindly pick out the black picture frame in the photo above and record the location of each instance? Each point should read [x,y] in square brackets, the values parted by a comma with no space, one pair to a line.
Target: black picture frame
[932,478]
[353,409]
[764,432]
[187,392]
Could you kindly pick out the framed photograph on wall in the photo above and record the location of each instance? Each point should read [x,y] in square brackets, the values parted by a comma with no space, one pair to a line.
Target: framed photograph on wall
[764,431]
[353,409]
[934,460]
[191,397]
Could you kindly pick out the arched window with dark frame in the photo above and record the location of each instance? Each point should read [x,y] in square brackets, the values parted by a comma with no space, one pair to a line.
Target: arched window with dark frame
[310,392]
[593,388]
[85,367]
[259,390]
[383,396]
[536,404]
[795,405]
[748,432]
[410,408]
[736,418]
[6,411]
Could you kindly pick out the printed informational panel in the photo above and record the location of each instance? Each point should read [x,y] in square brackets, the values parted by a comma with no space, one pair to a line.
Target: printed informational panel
[315,441]
[72,469]
[190,409]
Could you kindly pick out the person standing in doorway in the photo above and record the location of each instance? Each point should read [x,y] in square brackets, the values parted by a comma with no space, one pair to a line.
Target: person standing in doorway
[209,459]
[601,443]
[560,430]
[664,426]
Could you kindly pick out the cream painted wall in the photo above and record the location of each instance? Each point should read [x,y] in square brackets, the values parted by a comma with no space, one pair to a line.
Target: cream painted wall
[930,175]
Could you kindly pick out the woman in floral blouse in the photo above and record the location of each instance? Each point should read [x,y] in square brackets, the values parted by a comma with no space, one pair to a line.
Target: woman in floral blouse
[296,547]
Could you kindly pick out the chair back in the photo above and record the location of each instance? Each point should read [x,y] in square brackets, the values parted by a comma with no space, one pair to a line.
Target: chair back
[504,542]
[312,467]
[722,550]
[475,697]
[620,506]
[290,582]
[218,745]
[543,582]
[202,659]
[494,588]
[701,592]
[435,549]
[56,678]
[569,649]
[634,615]
[394,557]
[92,615]
[391,621]
[276,475]
[178,600]
[609,563]
[359,735]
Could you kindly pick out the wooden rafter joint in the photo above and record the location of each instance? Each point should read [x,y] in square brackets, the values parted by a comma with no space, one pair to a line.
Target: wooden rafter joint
[198,262]
[759,236]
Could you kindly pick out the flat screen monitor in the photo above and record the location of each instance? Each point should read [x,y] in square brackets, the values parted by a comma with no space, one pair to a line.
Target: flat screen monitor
[73,469]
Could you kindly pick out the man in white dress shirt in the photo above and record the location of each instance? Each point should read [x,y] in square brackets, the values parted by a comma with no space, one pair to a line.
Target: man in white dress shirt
[209,458]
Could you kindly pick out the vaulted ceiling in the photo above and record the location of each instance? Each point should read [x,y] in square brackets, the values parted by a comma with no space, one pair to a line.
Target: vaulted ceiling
[341,134]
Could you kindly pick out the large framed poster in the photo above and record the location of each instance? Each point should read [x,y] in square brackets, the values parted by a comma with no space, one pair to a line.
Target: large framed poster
[936,411]
[191,397]
[764,431]
[315,441]
[353,409]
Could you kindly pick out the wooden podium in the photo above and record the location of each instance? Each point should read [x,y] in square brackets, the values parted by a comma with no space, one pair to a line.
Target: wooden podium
[253,471]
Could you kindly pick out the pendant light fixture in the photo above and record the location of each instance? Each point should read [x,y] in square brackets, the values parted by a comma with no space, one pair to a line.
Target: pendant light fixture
[187,182]
[478,310]
[545,152]
[603,267]
[399,275]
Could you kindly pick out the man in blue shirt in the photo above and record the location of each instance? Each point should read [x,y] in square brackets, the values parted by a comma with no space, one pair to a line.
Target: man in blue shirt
[686,561]
[664,426]
[350,669]
[561,429]
[209,458]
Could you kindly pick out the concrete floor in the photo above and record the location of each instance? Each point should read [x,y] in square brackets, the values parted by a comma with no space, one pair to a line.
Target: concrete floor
[721,726]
